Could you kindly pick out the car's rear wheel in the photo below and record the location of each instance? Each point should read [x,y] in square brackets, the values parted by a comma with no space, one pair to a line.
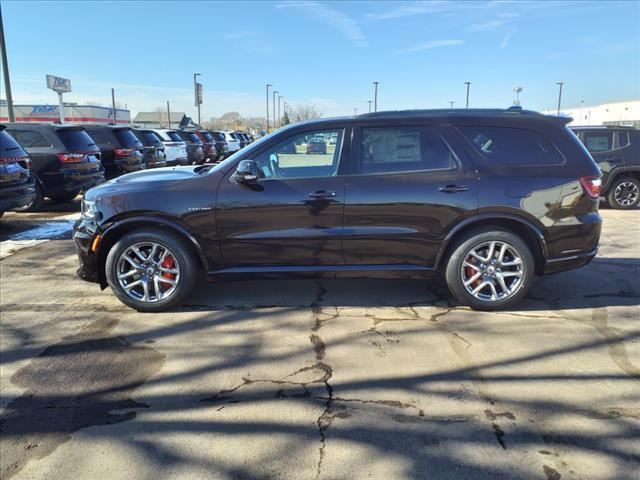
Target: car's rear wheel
[490,269]
[624,193]
[151,270]
[36,203]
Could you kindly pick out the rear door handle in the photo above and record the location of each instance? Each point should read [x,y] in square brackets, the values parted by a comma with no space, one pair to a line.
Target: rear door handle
[322,194]
[454,188]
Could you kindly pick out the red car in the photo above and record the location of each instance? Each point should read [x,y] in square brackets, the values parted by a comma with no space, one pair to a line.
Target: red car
[208,145]
[317,145]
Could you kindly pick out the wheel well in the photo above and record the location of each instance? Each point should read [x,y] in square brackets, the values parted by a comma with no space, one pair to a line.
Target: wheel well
[118,232]
[633,173]
[522,230]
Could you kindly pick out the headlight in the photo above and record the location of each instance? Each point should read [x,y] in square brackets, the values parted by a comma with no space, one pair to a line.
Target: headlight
[88,210]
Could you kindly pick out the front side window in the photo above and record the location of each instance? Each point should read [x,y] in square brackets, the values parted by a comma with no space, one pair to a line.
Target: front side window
[401,149]
[511,146]
[31,139]
[306,155]
[598,141]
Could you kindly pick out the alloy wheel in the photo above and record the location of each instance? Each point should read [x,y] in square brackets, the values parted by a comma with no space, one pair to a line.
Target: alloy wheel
[492,271]
[626,193]
[148,272]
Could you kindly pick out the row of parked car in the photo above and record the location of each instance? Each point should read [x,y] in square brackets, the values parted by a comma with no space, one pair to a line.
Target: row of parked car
[59,161]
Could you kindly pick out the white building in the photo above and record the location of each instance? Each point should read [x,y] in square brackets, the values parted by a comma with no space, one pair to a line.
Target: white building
[72,113]
[619,113]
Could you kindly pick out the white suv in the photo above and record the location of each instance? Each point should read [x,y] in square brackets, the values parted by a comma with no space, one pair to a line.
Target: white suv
[174,147]
[232,143]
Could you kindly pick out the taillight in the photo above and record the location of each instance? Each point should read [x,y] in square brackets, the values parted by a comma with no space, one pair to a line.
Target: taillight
[71,157]
[123,152]
[591,186]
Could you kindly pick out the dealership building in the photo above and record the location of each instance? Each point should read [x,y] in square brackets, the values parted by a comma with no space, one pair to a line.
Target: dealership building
[73,113]
[618,113]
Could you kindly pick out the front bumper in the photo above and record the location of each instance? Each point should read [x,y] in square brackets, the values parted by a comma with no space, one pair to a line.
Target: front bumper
[83,234]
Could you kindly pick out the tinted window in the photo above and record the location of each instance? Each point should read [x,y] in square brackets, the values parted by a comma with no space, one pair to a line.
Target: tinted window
[512,146]
[174,136]
[190,137]
[297,157]
[207,136]
[127,138]
[9,147]
[77,140]
[598,142]
[218,136]
[623,139]
[150,138]
[30,139]
[99,137]
[397,149]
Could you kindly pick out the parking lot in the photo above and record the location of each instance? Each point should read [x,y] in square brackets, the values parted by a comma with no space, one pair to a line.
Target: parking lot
[317,379]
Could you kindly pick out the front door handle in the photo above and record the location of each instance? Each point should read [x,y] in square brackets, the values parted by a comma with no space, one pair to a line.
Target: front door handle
[322,194]
[454,188]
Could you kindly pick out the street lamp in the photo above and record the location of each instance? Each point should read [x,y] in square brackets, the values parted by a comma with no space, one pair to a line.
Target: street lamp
[280,97]
[268,85]
[369,102]
[451,104]
[195,90]
[559,95]
[517,89]
[375,96]
[5,71]
[468,84]
[355,111]
[274,108]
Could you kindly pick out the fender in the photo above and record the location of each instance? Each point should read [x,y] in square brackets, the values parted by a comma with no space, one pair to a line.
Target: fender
[491,216]
[619,171]
[149,219]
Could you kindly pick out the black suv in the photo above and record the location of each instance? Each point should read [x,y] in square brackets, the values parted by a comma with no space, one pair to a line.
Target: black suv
[153,148]
[121,150]
[617,151]
[17,186]
[64,159]
[195,150]
[221,145]
[486,198]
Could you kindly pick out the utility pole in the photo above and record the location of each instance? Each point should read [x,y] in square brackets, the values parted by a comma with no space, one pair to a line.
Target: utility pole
[369,102]
[468,84]
[168,115]
[451,103]
[113,103]
[274,108]
[559,95]
[197,94]
[268,85]
[375,96]
[517,89]
[279,117]
[5,64]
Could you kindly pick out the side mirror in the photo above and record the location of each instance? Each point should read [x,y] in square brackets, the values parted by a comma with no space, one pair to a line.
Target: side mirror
[246,173]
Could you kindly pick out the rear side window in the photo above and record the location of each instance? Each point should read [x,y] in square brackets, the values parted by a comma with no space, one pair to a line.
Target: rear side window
[218,136]
[398,149]
[190,137]
[623,139]
[9,147]
[30,139]
[512,146]
[207,136]
[77,140]
[174,136]
[150,138]
[99,137]
[598,141]
[127,138]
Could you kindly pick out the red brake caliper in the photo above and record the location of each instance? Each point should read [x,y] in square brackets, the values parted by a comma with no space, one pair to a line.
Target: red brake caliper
[168,263]
[470,272]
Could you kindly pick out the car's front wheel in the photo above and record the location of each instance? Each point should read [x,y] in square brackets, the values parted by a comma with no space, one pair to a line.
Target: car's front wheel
[624,193]
[490,269]
[151,270]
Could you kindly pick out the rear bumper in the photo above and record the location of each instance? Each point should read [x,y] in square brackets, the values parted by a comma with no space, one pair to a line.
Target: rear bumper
[561,264]
[16,196]
[75,181]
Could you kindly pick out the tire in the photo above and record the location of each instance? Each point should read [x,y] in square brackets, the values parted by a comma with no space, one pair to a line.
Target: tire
[520,276]
[181,257]
[36,203]
[64,197]
[624,193]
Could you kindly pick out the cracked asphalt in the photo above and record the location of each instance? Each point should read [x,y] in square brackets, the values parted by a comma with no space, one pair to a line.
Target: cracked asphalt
[322,379]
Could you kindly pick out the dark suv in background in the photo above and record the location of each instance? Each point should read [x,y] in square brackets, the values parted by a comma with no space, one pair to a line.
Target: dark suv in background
[616,149]
[208,145]
[120,149]
[17,186]
[64,159]
[221,145]
[486,199]
[153,148]
[195,152]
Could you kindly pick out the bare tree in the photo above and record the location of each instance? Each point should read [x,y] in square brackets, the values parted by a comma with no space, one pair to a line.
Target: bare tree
[305,112]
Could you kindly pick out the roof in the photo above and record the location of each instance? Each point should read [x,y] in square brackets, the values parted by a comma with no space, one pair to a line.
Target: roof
[458,112]
[603,127]
[57,126]
[159,117]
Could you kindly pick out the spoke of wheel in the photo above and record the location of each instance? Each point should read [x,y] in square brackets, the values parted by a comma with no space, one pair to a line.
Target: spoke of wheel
[132,262]
[170,281]
[502,284]
[513,263]
[139,254]
[133,284]
[163,256]
[465,264]
[128,274]
[476,256]
[472,279]
[175,271]
[156,287]
[479,287]
[503,250]
[511,274]
[145,288]
[494,293]
[492,249]
[152,255]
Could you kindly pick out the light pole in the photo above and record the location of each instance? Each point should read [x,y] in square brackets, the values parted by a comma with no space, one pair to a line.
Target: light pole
[280,97]
[451,104]
[468,84]
[355,111]
[369,102]
[5,65]
[274,108]
[268,85]
[517,89]
[195,90]
[375,96]
[559,95]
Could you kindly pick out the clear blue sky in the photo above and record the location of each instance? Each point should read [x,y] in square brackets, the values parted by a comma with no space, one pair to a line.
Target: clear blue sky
[326,53]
